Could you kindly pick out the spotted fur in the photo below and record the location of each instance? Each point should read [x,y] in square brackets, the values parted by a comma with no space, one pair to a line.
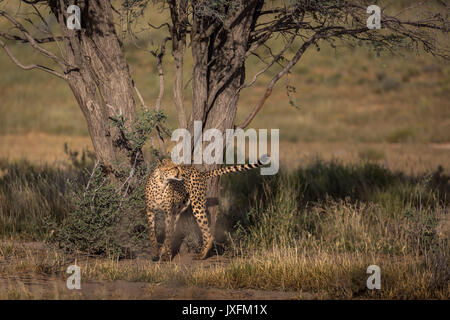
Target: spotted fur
[172,188]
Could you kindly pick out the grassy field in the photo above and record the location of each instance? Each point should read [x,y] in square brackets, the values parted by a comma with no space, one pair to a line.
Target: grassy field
[349,103]
[365,166]
[309,232]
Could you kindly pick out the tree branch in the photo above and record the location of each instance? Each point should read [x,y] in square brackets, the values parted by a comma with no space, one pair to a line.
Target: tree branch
[277,77]
[30,66]
[24,40]
[274,60]
[327,28]
[34,43]
[179,18]
[159,58]
[288,67]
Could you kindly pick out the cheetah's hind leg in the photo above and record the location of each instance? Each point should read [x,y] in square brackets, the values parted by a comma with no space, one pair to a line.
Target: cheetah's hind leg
[166,249]
[153,241]
[199,211]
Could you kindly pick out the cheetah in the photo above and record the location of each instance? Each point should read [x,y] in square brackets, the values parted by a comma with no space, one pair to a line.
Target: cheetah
[172,188]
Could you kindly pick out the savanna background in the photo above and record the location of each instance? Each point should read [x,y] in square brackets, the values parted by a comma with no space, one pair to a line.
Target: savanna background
[364,179]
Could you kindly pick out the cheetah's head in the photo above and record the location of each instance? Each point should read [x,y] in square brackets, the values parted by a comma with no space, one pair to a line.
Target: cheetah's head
[171,173]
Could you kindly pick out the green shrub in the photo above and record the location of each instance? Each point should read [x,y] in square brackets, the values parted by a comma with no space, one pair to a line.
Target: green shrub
[103,222]
[108,216]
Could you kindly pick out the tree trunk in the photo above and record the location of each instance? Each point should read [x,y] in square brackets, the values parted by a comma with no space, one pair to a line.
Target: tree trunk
[222,118]
[217,75]
[101,81]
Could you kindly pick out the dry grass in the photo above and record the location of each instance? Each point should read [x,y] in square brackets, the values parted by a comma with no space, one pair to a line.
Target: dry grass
[41,148]
[347,110]
[352,106]
[417,158]
[323,275]
[326,275]
[345,95]
[312,231]
[410,158]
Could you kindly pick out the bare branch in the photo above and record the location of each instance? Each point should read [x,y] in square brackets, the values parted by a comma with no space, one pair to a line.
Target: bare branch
[159,65]
[160,26]
[33,1]
[30,66]
[159,58]
[141,99]
[328,29]
[277,77]
[288,67]
[49,31]
[274,60]
[24,40]
[35,44]
[179,18]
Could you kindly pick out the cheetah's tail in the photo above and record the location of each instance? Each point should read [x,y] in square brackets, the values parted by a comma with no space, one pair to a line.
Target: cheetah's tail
[265,159]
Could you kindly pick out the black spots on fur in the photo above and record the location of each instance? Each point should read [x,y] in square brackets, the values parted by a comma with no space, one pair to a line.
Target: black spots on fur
[177,195]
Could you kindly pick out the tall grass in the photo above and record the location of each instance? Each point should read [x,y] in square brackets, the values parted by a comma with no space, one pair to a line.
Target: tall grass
[364,208]
[321,226]
[29,193]
[314,229]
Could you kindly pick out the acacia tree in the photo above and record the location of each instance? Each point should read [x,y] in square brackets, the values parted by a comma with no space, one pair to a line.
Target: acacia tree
[221,34]
[91,61]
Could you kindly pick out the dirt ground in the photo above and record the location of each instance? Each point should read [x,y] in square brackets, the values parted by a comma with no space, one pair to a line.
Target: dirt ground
[50,288]
[23,284]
